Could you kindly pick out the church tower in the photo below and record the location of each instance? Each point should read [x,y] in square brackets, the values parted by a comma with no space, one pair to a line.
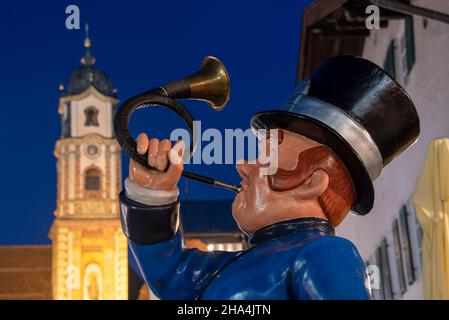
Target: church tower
[90,257]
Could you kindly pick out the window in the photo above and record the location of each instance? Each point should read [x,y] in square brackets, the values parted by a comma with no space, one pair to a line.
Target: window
[91,117]
[398,256]
[405,55]
[406,246]
[386,290]
[92,180]
[389,63]
[400,56]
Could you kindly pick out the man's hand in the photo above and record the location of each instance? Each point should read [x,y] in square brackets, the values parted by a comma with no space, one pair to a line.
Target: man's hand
[160,155]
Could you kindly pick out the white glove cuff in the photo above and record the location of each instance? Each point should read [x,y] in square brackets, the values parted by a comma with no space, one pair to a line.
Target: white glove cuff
[149,196]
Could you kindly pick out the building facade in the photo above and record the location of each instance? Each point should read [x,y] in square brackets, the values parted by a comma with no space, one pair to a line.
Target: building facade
[413,50]
[90,255]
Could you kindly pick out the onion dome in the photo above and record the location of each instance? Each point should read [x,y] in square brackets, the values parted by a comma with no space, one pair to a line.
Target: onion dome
[87,75]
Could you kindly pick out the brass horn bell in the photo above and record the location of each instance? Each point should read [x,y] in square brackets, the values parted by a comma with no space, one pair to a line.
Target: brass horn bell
[210,84]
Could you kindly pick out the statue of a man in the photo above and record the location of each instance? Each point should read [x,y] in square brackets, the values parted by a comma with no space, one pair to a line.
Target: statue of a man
[334,135]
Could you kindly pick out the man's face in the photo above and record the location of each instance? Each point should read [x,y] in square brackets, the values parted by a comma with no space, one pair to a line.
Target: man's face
[257,205]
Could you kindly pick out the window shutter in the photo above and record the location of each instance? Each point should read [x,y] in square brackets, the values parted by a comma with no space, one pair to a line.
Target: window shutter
[398,256]
[389,63]
[410,42]
[384,264]
[406,245]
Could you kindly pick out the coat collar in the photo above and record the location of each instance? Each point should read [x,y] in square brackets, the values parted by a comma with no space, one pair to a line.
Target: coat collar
[284,228]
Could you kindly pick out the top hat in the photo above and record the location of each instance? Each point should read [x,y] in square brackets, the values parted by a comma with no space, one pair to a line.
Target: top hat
[354,107]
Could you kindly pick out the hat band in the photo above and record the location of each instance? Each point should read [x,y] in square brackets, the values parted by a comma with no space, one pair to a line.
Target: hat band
[347,127]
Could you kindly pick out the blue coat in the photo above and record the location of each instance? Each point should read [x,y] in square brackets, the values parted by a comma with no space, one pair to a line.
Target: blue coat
[297,259]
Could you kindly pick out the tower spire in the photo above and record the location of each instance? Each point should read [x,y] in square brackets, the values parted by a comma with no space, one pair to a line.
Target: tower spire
[87,59]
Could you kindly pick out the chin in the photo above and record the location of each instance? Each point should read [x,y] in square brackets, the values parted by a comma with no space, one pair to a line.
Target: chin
[237,207]
[243,225]
[238,212]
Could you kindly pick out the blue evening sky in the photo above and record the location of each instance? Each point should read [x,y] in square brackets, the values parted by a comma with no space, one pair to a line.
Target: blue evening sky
[140,44]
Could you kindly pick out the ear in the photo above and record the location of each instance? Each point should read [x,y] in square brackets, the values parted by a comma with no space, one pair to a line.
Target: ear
[313,187]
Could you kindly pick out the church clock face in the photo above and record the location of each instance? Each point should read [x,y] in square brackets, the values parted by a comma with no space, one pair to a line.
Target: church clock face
[92,150]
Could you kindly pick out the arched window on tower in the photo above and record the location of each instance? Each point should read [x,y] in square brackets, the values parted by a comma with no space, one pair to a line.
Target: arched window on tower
[92,180]
[93,282]
[91,117]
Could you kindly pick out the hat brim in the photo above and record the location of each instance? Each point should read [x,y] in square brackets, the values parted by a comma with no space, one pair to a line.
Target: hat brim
[317,131]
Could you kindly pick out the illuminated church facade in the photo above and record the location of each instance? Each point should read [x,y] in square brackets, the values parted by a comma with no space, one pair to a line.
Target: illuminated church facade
[89,256]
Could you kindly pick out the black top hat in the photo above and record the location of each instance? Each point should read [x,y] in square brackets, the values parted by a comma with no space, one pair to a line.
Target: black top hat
[354,107]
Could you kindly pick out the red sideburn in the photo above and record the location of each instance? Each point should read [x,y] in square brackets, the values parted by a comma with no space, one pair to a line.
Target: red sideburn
[337,200]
